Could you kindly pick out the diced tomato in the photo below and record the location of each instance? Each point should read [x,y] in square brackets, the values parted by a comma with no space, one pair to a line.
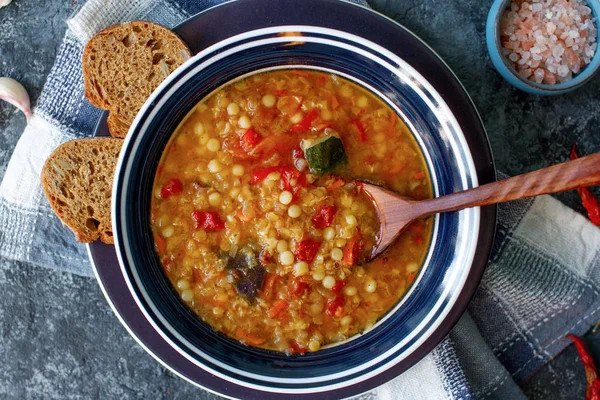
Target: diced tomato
[334,304]
[339,285]
[299,287]
[249,338]
[420,175]
[304,125]
[418,239]
[362,133]
[300,72]
[208,220]
[324,217]
[280,92]
[278,308]
[166,261]
[265,257]
[171,187]
[159,171]
[338,183]
[161,245]
[260,174]
[296,349]
[307,249]
[334,102]
[352,250]
[250,139]
[290,177]
[268,288]
[298,157]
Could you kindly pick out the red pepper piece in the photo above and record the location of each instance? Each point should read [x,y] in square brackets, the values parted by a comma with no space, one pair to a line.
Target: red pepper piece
[278,308]
[339,285]
[306,250]
[362,132]
[299,287]
[304,125]
[208,220]
[324,217]
[590,202]
[290,177]
[268,288]
[265,257]
[593,384]
[250,139]
[261,174]
[352,250]
[171,187]
[333,305]
[298,157]
[161,245]
[297,349]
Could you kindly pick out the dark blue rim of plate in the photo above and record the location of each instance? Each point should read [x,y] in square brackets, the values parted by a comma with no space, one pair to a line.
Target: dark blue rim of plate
[463,110]
[178,95]
[391,79]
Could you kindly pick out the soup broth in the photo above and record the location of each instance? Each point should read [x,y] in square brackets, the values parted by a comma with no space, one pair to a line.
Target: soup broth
[258,220]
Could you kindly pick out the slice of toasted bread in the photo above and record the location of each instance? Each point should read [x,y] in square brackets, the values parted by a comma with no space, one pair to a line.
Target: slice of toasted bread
[77,179]
[124,63]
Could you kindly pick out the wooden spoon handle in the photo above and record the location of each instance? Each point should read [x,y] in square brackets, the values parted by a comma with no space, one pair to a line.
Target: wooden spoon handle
[584,171]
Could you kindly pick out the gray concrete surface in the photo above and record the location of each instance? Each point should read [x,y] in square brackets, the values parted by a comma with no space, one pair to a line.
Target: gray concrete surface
[58,337]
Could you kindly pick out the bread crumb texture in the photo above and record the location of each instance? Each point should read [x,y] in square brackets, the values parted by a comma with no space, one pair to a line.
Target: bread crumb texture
[77,179]
[124,63]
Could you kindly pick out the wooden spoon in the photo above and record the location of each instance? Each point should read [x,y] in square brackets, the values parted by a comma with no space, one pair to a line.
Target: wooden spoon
[397,212]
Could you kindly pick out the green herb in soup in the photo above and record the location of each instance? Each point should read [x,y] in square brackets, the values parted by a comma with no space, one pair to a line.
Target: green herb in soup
[258,236]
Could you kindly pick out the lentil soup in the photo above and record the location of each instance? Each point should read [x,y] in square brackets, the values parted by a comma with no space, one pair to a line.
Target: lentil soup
[259,224]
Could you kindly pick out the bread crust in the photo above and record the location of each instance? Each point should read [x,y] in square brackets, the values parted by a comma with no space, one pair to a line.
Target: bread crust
[77,180]
[124,63]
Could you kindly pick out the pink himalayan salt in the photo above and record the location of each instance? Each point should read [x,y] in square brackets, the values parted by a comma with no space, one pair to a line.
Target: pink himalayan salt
[555,37]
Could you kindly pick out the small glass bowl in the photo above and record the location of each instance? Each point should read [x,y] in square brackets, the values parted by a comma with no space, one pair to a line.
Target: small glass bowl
[505,68]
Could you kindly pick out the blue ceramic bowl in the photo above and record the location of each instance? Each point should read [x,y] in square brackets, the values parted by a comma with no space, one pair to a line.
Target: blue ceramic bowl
[455,260]
[505,68]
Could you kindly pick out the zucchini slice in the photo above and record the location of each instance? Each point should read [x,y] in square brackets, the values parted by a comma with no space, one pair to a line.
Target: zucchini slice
[325,154]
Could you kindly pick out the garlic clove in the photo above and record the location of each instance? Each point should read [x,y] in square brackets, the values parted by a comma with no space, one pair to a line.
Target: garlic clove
[4,3]
[14,93]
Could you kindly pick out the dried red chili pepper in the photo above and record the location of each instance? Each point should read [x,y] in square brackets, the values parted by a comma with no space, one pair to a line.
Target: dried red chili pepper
[590,202]
[593,383]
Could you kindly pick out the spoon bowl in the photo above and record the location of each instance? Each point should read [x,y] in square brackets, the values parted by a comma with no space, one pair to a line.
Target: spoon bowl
[396,212]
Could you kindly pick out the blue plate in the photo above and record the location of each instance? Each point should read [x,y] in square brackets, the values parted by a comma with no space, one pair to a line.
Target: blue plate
[375,52]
